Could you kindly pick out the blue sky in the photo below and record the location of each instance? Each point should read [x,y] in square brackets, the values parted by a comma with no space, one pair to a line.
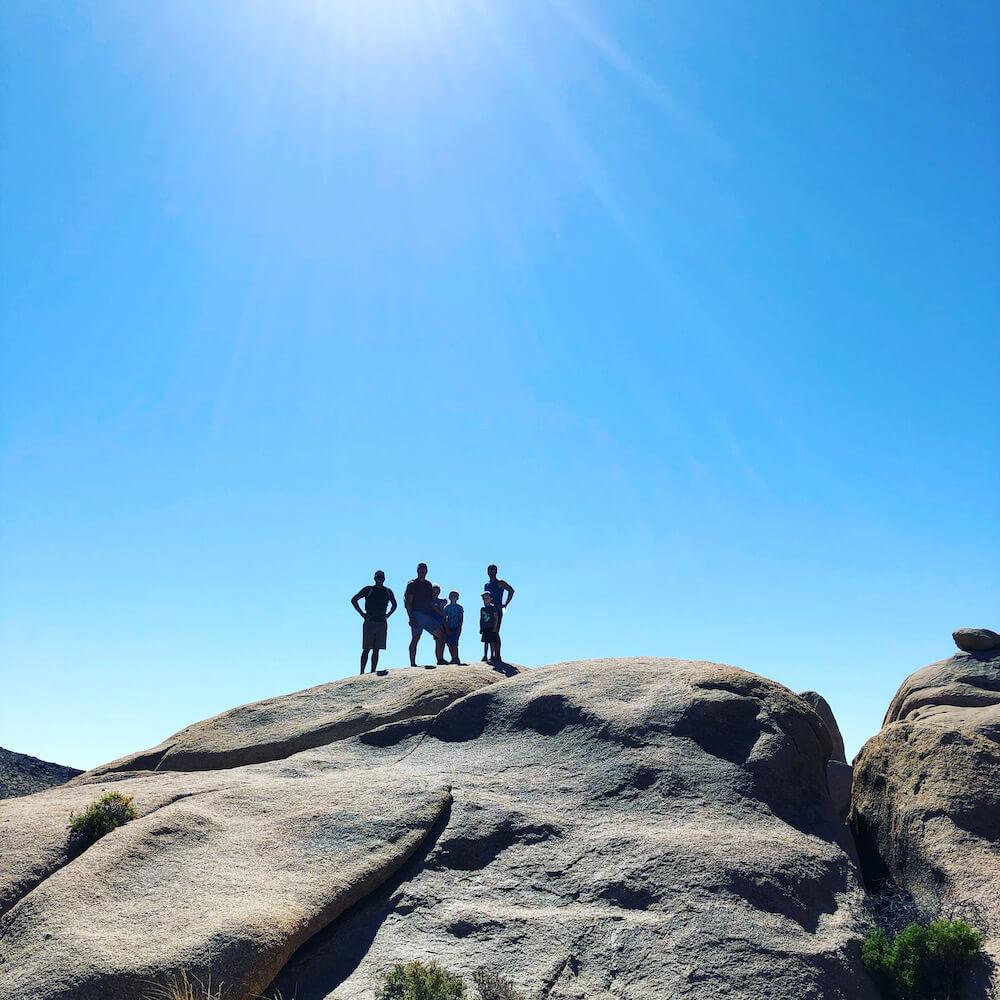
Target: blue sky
[684,314]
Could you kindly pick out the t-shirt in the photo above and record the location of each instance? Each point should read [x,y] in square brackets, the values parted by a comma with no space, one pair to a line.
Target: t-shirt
[488,618]
[495,589]
[422,594]
[453,615]
[376,602]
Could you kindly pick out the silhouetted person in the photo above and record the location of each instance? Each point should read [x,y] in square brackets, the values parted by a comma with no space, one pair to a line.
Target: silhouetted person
[375,629]
[439,603]
[454,616]
[489,622]
[419,602]
[496,589]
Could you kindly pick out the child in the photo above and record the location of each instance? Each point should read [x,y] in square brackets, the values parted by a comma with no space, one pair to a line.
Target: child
[454,615]
[489,619]
[438,601]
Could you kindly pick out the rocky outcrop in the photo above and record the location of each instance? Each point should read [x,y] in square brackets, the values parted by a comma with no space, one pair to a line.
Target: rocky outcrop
[926,808]
[839,773]
[21,774]
[618,828]
[279,727]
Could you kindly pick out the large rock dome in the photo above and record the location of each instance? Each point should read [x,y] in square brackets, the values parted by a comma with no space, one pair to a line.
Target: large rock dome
[638,828]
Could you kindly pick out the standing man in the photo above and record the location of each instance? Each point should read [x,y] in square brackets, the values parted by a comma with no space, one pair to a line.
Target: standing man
[419,603]
[496,589]
[376,626]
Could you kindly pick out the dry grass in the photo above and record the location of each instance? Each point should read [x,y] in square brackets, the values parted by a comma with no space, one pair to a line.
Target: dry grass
[187,987]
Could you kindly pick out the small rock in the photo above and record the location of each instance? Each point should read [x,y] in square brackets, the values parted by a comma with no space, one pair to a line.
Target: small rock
[976,640]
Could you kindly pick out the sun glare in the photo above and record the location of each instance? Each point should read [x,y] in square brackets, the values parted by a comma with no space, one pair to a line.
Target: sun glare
[384,28]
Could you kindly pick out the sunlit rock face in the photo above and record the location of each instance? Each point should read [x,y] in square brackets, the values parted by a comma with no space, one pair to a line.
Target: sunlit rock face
[636,828]
[926,800]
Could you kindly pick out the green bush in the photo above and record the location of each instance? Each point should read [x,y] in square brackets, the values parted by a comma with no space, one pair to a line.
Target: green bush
[493,986]
[108,813]
[417,981]
[921,962]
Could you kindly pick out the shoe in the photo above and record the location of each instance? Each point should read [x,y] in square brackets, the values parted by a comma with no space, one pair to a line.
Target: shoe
[442,663]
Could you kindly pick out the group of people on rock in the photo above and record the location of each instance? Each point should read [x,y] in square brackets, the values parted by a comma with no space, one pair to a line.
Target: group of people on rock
[429,612]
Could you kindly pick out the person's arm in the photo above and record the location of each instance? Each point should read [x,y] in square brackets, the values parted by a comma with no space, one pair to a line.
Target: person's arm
[408,602]
[461,618]
[510,594]
[357,607]
[392,604]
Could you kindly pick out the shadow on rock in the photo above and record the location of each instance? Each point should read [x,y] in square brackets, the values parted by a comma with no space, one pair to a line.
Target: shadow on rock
[332,955]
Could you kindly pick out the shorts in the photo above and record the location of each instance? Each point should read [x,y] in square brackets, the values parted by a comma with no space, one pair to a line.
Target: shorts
[490,636]
[420,622]
[373,635]
[499,618]
[453,636]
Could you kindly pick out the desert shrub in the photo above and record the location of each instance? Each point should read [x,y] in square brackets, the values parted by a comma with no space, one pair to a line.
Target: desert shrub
[419,981]
[493,986]
[921,962]
[108,813]
[185,987]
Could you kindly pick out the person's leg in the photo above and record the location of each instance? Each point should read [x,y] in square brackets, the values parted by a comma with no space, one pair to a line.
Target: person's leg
[375,659]
[439,645]
[364,659]
[497,633]
[415,632]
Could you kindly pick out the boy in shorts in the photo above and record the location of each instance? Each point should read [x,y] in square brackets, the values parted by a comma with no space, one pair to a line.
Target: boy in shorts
[454,615]
[489,622]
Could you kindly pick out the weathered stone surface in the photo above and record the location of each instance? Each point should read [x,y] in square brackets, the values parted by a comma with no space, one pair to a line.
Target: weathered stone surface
[22,774]
[34,838]
[225,881]
[622,828]
[619,828]
[926,807]
[976,640]
[821,707]
[279,727]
